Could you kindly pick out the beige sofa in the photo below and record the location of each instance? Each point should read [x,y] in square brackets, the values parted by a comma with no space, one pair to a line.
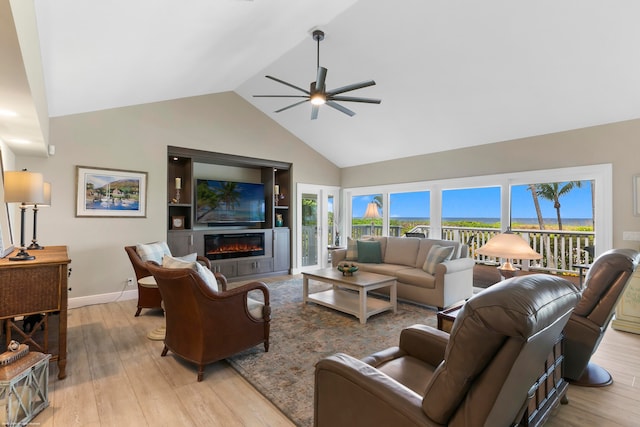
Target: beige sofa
[404,258]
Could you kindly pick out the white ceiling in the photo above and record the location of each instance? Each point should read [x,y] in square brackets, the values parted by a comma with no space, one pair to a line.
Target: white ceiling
[450,74]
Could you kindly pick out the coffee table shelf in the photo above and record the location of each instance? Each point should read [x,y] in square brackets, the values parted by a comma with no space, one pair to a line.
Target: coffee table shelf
[349,293]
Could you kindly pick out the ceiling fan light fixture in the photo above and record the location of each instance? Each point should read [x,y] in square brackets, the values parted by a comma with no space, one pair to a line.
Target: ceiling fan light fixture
[318,99]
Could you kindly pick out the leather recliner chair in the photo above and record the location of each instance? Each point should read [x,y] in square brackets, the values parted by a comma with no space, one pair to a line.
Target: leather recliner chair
[479,375]
[604,285]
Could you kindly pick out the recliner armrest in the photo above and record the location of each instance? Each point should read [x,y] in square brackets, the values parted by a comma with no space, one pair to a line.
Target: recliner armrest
[425,343]
[350,392]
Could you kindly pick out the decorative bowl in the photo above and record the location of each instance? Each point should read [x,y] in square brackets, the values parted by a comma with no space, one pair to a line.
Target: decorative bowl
[347,269]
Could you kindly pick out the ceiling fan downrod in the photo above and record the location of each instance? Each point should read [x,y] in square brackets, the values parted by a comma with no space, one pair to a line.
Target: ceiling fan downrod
[318,36]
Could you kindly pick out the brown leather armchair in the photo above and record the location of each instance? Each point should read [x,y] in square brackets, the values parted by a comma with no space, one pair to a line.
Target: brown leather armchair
[204,325]
[149,296]
[480,375]
[604,285]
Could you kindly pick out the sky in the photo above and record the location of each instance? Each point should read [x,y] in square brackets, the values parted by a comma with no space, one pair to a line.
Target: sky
[483,203]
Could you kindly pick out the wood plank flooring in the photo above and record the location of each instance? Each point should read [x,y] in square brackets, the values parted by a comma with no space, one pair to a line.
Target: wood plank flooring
[115,376]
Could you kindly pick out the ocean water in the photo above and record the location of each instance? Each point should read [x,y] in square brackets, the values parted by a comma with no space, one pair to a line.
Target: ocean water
[565,221]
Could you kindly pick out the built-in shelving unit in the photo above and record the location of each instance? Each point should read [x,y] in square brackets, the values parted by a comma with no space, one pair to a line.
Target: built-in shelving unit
[184,235]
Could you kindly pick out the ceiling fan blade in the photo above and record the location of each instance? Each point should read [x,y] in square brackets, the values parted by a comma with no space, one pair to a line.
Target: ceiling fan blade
[280,96]
[288,84]
[291,106]
[321,77]
[350,87]
[314,111]
[355,99]
[341,108]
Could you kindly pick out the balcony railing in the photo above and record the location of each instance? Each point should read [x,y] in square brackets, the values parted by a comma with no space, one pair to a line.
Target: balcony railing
[561,250]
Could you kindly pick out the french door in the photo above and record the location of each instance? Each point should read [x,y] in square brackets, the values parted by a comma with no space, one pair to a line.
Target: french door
[317,225]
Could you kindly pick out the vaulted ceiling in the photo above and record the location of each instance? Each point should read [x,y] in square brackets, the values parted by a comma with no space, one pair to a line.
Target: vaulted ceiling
[450,74]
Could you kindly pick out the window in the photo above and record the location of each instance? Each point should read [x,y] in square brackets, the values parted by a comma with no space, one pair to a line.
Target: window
[409,212]
[366,218]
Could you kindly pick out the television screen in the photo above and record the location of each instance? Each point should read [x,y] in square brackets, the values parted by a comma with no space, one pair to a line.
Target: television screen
[228,202]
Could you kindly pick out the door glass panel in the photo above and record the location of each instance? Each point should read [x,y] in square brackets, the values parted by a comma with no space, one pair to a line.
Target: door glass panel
[309,232]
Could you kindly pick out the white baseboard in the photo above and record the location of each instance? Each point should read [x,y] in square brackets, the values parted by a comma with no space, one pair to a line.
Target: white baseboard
[102,298]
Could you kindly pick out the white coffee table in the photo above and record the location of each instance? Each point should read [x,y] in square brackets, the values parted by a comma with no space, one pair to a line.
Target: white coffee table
[342,298]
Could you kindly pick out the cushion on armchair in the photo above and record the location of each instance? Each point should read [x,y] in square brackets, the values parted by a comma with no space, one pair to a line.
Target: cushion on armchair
[153,251]
[205,274]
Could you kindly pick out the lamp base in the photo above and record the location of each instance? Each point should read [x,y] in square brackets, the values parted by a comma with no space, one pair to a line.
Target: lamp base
[35,246]
[22,255]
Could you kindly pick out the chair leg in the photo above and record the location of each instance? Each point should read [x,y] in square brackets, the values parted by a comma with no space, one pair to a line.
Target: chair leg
[200,372]
[266,346]
[164,351]
[138,311]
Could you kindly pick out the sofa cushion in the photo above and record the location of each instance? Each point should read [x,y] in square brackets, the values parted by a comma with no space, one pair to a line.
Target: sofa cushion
[369,252]
[416,277]
[436,255]
[401,250]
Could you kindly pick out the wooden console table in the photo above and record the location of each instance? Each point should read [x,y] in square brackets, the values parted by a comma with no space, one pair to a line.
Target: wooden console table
[36,288]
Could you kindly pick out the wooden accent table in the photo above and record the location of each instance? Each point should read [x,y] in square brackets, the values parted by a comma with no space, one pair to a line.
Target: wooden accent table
[36,287]
[356,303]
[447,317]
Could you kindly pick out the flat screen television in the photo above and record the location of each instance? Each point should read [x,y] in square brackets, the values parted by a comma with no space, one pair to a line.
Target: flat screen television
[228,202]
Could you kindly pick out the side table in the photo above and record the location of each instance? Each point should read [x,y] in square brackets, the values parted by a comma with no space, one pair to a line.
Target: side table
[447,317]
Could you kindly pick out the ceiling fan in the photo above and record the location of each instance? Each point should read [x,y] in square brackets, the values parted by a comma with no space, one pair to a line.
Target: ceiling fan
[318,95]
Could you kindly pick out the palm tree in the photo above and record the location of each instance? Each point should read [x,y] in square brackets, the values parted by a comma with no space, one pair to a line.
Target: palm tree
[534,194]
[229,195]
[553,191]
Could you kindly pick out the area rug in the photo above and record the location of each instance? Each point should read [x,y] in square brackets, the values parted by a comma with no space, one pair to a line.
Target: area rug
[301,335]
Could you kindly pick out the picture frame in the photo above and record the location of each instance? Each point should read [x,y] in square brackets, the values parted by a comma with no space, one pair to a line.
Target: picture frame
[636,195]
[177,222]
[116,193]
[6,235]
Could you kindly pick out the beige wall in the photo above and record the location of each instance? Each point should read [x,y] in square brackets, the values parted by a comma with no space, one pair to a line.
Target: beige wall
[136,138]
[616,143]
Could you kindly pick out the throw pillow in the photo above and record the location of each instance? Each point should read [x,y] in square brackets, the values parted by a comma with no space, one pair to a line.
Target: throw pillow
[436,255]
[153,251]
[369,252]
[205,274]
[352,249]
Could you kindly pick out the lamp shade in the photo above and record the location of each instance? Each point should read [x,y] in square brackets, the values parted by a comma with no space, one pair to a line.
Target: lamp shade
[46,189]
[372,211]
[508,245]
[23,187]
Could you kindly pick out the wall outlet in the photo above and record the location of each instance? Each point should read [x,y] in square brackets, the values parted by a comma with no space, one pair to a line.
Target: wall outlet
[130,281]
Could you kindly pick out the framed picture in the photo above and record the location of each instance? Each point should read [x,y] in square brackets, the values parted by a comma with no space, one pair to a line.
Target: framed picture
[110,193]
[6,237]
[177,222]
[636,195]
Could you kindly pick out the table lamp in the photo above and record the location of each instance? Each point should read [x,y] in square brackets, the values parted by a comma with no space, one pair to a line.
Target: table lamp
[45,204]
[508,246]
[26,188]
[372,213]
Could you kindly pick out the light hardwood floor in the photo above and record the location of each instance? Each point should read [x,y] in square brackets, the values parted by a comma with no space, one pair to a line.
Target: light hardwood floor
[116,377]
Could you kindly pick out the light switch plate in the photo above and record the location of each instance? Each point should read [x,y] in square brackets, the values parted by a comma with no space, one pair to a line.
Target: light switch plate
[631,235]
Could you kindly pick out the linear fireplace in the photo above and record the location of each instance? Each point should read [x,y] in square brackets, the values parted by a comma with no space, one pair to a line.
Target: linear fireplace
[236,245]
